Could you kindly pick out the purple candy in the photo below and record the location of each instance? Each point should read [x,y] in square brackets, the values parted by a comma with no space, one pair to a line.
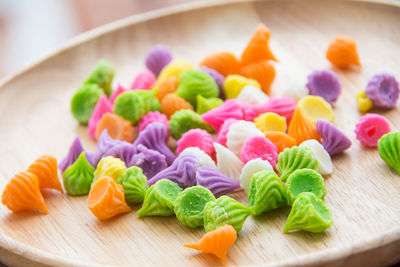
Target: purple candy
[105,143]
[218,78]
[182,171]
[215,181]
[383,90]
[333,140]
[324,83]
[74,151]
[150,161]
[125,152]
[153,137]
[158,57]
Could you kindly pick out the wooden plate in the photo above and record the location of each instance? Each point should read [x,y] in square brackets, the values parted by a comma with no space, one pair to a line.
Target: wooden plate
[363,193]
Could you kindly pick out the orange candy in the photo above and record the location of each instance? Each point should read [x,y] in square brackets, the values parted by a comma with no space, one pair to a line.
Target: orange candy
[262,72]
[106,199]
[258,48]
[45,168]
[302,129]
[167,87]
[172,103]
[216,242]
[118,128]
[342,52]
[23,193]
[280,140]
[224,62]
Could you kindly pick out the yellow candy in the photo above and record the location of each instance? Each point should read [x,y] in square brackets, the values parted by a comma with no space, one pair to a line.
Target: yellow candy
[109,166]
[174,68]
[363,102]
[315,107]
[234,84]
[270,121]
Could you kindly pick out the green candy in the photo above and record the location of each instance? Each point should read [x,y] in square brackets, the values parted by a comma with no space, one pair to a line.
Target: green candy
[184,120]
[196,82]
[304,180]
[225,210]
[102,75]
[159,199]
[84,101]
[266,192]
[206,104]
[78,177]
[295,158]
[309,214]
[389,149]
[134,183]
[189,206]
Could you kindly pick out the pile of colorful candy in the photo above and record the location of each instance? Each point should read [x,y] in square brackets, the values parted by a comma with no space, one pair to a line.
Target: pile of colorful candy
[274,148]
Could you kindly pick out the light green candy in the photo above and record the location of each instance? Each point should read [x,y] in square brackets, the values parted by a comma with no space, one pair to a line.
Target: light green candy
[159,199]
[295,158]
[102,75]
[304,180]
[225,210]
[189,206]
[78,177]
[84,101]
[134,183]
[196,82]
[133,105]
[266,192]
[184,120]
[389,149]
[206,104]
[309,214]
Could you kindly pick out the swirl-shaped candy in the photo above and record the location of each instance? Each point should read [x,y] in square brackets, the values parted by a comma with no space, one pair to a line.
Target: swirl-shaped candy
[151,117]
[202,158]
[168,86]
[215,181]
[283,106]
[333,140]
[104,144]
[103,106]
[249,169]
[185,120]
[324,83]
[144,80]
[84,101]
[227,162]
[78,177]
[313,108]
[206,104]
[74,151]
[301,128]
[110,167]
[389,149]
[259,147]
[134,183]
[218,78]
[252,95]
[196,138]
[117,127]
[325,165]
[172,103]
[120,89]
[45,168]
[149,160]
[270,122]
[370,128]
[225,63]
[230,109]
[174,69]
[383,90]
[234,84]
[102,75]
[238,133]
[363,102]
[124,152]
[157,58]
[258,48]
[342,52]
[280,140]
[263,72]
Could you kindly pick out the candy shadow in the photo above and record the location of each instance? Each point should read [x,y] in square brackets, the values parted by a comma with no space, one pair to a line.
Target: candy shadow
[282,212]
[311,237]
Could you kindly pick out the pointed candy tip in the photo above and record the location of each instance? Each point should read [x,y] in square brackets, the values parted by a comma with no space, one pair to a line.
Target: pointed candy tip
[193,246]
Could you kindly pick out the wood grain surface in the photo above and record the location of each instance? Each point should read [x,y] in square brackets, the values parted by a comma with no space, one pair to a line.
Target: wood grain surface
[363,193]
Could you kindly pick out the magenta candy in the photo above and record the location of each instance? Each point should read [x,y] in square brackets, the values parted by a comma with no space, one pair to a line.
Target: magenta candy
[158,57]
[74,151]
[196,138]
[324,83]
[223,131]
[144,80]
[370,128]
[215,181]
[283,106]
[102,107]
[153,116]
[150,161]
[217,116]
[333,140]
[248,112]
[104,144]
[259,147]
[218,78]
[383,90]
[116,93]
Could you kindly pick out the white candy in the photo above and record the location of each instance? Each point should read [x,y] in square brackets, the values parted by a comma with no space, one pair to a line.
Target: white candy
[249,169]
[227,162]
[297,90]
[202,158]
[238,133]
[324,160]
[252,95]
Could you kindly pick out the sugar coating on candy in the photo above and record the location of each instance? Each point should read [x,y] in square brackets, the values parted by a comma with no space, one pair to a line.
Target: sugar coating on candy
[154,137]
[78,177]
[103,106]
[283,106]
[151,117]
[157,58]
[259,147]
[252,95]
[233,84]
[262,71]
[308,213]
[203,160]
[120,89]
[230,109]
[196,82]
[333,140]
[109,166]
[389,149]
[315,107]
[295,158]
[218,183]
[324,83]
[149,160]
[225,210]
[218,78]
[143,80]
[342,52]
[102,75]
[206,104]
[370,128]
[238,133]
[74,151]
[227,162]
[185,120]
[174,69]
[325,165]
[266,192]
[363,102]
[249,169]
[159,199]
[134,183]
[223,131]
[224,62]
[270,121]
[84,101]
[117,127]
[196,138]
[383,90]
[182,171]
[189,205]
[104,144]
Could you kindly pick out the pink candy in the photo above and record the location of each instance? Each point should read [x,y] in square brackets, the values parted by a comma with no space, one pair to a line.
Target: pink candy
[371,128]
[283,106]
[223,131]
[116,93]
[153,117]
[217,116]
[144,80]
[248,112]
[259,147]
[196,138]
[103,106]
